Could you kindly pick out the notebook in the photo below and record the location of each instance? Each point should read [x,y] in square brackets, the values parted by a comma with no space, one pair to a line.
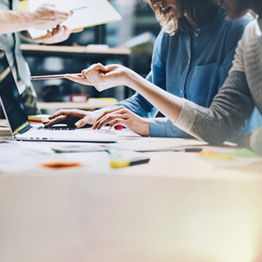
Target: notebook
[19,123]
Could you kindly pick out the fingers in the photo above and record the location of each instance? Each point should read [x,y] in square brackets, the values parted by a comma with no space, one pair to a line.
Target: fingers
[96,75]
[95,67]
[112,120]
[81,123]
[116,109]
[57,35]
[54,13]
[59,119]
[74,118]
[58,113]
[81,79]
[77,30]
[112,117]
[47,16]
[73,113]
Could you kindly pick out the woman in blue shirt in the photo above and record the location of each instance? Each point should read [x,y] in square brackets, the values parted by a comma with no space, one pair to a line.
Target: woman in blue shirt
[192,56]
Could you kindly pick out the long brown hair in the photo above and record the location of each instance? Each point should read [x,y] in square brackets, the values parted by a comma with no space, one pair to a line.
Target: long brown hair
[197,12]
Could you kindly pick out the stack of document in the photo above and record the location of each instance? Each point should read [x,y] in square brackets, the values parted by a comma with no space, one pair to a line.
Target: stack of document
[4,129]
[85,13]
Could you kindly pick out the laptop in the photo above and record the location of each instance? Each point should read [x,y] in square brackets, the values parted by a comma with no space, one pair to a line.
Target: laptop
[20,126]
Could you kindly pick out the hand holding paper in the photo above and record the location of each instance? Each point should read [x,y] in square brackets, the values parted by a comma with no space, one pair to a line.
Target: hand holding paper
[85,13]
[47,16]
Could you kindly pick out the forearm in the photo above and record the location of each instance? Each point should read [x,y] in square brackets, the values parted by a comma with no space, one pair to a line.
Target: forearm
[168,104]
[138,105]
[163,127]
[43,18]
[227,113]
[14,21]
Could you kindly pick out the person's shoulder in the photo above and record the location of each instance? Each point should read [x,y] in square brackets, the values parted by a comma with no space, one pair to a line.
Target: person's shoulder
[253,26]
[240,23]
[232,26]
[237,27]
[246,19]
[252,31]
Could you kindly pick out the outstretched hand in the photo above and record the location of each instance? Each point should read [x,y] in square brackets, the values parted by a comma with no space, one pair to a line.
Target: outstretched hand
[101,77]
[123,116]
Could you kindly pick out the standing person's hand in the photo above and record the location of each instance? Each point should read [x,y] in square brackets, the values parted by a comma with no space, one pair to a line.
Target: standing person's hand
[47,17]
[57,35]
[123,116]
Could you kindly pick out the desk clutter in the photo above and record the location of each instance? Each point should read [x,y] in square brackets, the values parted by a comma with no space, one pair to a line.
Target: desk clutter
[140,199]
[147,156]
[4,129]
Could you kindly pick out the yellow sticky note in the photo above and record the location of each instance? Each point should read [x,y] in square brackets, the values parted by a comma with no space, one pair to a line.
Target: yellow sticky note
[213,155]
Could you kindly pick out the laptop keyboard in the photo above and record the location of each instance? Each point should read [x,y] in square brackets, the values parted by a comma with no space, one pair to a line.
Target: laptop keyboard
[50,131]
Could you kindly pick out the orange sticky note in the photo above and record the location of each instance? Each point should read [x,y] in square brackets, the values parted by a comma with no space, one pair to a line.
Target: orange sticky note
[60,164]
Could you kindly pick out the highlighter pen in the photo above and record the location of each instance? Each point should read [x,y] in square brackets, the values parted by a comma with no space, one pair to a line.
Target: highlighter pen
[121,162]
[193,149]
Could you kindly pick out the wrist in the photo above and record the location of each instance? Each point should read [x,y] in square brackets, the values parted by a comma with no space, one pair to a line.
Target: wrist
[130,78]
[27,19]
[145,130]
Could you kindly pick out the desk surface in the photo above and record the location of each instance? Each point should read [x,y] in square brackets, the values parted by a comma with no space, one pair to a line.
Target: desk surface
[178,207]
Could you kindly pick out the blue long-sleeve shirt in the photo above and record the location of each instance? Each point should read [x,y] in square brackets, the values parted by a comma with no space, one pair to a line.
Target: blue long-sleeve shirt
[194,69]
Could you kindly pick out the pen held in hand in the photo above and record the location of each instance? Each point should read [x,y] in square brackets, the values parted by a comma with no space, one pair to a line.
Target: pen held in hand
[78,8]
[43,77]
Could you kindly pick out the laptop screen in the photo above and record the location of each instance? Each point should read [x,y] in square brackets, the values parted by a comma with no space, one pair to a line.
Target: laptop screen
[10,98]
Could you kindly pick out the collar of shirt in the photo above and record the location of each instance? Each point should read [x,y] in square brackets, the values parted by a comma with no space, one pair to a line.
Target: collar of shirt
[207,26]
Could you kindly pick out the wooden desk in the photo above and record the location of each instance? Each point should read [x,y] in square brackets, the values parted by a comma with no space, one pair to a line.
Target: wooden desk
[176,208]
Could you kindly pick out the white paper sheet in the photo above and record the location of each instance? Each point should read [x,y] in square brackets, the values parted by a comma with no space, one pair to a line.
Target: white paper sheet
[97,12]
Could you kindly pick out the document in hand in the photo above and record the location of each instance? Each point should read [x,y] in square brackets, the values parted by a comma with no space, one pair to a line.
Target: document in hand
[85,13]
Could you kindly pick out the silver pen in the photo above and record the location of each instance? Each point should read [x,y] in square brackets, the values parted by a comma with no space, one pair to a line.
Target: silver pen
[78,8]
[43,77]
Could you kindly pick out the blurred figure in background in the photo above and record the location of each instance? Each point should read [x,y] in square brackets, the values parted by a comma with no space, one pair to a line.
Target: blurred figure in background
[13,21]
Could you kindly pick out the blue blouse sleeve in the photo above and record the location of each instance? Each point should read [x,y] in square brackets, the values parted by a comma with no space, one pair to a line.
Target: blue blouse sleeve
[137,103]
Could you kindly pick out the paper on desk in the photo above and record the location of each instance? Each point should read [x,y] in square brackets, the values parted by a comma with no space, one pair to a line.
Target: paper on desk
[97,12]
[22,156]
[14,158]
[153,144]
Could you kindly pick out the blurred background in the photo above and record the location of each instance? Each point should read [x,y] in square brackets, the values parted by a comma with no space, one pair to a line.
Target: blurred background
[136,31]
